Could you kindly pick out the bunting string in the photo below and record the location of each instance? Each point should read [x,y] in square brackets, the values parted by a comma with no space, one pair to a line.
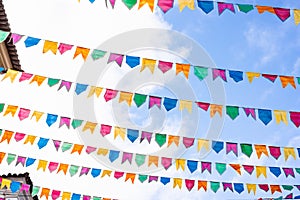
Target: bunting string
[140,159]
[133,135]
[232,111]
[201,72]
[177,182]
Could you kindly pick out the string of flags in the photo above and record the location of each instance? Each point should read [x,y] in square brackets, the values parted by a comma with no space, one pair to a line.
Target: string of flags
[232,111]
[160,139]
[201,72]
[141,159]
[177,182]
[14,186]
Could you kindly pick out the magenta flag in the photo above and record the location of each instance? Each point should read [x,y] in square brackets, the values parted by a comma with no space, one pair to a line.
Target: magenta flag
[231,147]
[275,152]
[56,144]
[146,135]
[55,194]
[52,166]
[90,149]
[86,197]
[84,170]
[203,106]
[219,73]
[64,47]
[222,6]
[21,160]
[153,178]
[189,184]
[19,136]
[295,118]
[166,162]
[127,156]
[248,168]
[64,121]
[206,166]
[25,76]
[288,172]
[23,113]
[165,5]
[154,101]
[282,13]
[105,129]
[65,84]
[110,94]
[188,142]
[227,186]
[164,66]
[118,175]
[250,111]
[118,58]
[25,187]
[16,37]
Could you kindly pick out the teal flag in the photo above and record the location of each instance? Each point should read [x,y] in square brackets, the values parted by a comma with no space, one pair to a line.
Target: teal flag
[200,72]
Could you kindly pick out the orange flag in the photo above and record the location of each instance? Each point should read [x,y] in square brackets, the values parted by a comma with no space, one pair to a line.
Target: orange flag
[12,74]
[106,173]
[126,96]
[148,63]
[37,115]
[77,148]
[262,9]
[102,152]
[184,68]
[119,132]
[63,167]
[285,80]
[261,149]
[95,90]
[7,136]
[177,182]
[130,176]
[49,45]
[202,184]
[173,139]
[89,126]
[30,139]
[275,188]
[83,51]
[214,108]
[153,160]
[66,196]
[45,192]
[236,167]
[11,109]
[42,165]
[38,79]
[2,155]
[149,2]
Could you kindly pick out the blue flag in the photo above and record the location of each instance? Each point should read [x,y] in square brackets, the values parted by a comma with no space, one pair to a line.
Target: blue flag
[29,161]
[113,155]
[51,119]
[217,146]
[265,115]
[275,170]
[80,88]
[31,41]
[206,6]
[132,135]
[42,142]
[238,187]
[192,165]
[237,76]
[132,61]
[164,180]
[95,172]
[169,103]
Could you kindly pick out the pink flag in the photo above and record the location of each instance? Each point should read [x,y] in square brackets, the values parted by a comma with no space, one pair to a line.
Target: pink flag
[219,72]
[16,37]
[110,94]
[295,118]
[21,160]
[203,106]
[231,147]
[127,156]
[56,144]
[288,172]
[153,178]
[85,197]
[112,2]
[189,184]
[146,135]
[90,149]
[282,13]
[64,47]
[25,76]
[84,170]
[250,111]
[270,77]
[23,113]
[165,5]
[188,142]
[19,136]
[118,175]
[64,121]
[164,66]
[248,168]
[275,152]
[55,194]
[154,101]
[223,6]
[52,166]
[25,187]
[118,58]
[206,166]
[105,130]
[166,162]
[65,84]
[227,186]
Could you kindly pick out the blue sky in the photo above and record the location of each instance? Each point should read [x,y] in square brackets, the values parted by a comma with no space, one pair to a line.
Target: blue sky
[247,42]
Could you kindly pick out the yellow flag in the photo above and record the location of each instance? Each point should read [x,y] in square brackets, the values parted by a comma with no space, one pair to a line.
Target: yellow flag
[252,75]
[12,74]
[177,182]
[261,149]
[5,182]
[148,63]
[30,139]
[49,45]
[77,148]
[186,3]
[42,165]
[130,176]
[89,126]
[214,108]
[95,90]
[261,170]
[37,115]
[126,96]
[289,151]
[173,139]
[285,80]
[184,68]
[38,79]
[149,2]
[7,136]
[186,105]
[45,192]
[203,144]
[180,163]
[11,109]
[251,187]
[63,167]
[297,16]
[66,196]
[102,152]
[106,173]
[281,115]
[119,132]
[83,51]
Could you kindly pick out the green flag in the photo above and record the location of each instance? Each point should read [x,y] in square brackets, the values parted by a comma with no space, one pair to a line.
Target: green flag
[298,79]
[232,111]
[139,159]
[200,72]
[139,99]
[287,187]
[52,81]
[66,146]
[142,178]
[160,139]
[279,198]
[97,198]
[221,168]
[73,169]
[247,149]
[245,8]
[76,123]
[1,107]
[97,54]
[3,35]
[10,158]
[214,186]
[129,3]
[35,190]
[297,170]
[0,132]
